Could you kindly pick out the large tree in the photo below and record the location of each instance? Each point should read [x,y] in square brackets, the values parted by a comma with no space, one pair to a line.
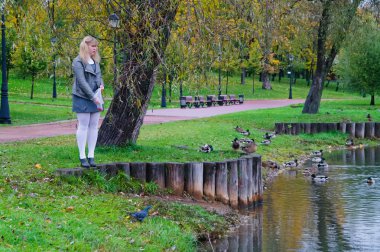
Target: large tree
[146,29]
[334,23]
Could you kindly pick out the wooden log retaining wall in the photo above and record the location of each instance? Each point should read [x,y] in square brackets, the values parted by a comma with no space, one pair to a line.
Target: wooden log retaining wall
[357,130]
[237,183]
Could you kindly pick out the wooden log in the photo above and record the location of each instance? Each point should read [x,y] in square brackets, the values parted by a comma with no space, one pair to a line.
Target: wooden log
[369,130]
[221,188]
[331,127]
[359,130]
[295,128]
[175,177]
[279,128]
[101,168]
[377,130]
[209,170]
[256,165]
[350,129]
[342,127]
[112,169]
[260,187]
[288,128]
[307,128]
[243,183]
[322,127]
[138,171]
[232,168]
[71,172]
[194,179]
[314,128]
[250,196]
[124,167]
[302,128]
[155,172]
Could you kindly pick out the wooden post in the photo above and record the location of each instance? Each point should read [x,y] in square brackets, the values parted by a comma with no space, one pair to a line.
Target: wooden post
[377,130]
[221,189]
[332,127]
[155,172]
[232,167]
[288,128]
[175,177]
[255,171]
[302,128]
[111,169]
[350,129]
[295,128]
[194,179]
[260,187]
[369,130]
[359,130]
[243,182]
[209,169]
[124,167]
[138,171]
[250,197]
[279,128]
[307,128]
[101,168]
[322,127]
[314,128]
[70,172]
[342,127]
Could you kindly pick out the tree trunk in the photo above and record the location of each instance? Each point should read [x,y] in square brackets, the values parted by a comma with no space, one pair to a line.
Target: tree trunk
[243,75]
[146,46]
[32,91]
[327,50]
[266,81]
[372,100]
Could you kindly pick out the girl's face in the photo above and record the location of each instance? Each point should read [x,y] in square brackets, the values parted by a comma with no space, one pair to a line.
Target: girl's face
[93,49]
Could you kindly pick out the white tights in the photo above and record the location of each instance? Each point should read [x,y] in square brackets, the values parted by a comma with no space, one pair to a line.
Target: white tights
[87,132]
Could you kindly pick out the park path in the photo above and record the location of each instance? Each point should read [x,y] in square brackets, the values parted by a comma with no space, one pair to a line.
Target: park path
[20,133]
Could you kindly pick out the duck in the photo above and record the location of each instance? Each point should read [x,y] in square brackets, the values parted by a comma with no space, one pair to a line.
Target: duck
[269,136]
[370,180]
[270,164]
[293,163]
[246,141]
[317,153]
[207,148]
[319,178]
[369,118]
[235,144]
[249,148]
[246,133]
[317,159]
[350,142]
[322,164]
[239,129]
[266,142]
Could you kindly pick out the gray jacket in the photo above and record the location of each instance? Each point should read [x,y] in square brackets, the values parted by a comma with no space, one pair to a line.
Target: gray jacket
[86,81]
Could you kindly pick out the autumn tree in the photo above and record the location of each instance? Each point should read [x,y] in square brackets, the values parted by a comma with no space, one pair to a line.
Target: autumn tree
[146,27]
[334,22]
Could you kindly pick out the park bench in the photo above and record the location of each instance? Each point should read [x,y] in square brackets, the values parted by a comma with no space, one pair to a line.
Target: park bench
[211,100]
[223,100]
[233,99]
[199,101]
[186,101]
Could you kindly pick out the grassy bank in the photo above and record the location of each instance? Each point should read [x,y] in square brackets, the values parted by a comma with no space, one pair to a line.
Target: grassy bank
[39,211]
[42,108]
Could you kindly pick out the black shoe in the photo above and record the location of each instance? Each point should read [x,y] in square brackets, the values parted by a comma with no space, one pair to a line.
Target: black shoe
[91,161]
[84,163]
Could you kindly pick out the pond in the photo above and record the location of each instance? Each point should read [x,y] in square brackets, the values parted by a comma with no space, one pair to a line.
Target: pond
[342,214]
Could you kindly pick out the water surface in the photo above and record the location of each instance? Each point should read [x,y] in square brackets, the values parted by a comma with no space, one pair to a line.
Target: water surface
[342,214]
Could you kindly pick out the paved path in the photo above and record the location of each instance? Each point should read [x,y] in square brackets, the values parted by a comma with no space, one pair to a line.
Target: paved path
[19,133]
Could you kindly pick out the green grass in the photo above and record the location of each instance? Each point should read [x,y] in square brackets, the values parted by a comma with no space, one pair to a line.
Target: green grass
[42,212]
[42,108]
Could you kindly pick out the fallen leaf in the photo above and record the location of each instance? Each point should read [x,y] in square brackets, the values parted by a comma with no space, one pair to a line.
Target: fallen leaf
[37,166]
[69,209]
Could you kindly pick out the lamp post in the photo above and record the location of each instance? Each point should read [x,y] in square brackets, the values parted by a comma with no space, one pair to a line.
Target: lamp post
[114,22]
[53,40]
[5,117]
[291,58]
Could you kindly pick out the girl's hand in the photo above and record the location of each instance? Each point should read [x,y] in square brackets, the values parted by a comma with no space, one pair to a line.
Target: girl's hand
[102,87]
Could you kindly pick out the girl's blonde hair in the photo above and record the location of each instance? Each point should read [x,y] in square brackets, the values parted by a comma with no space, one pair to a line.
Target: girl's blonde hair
[84,51]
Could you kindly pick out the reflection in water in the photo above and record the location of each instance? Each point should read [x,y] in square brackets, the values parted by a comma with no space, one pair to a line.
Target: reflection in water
[299,215]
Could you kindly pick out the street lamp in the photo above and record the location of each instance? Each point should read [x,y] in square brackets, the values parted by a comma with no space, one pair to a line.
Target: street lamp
[5,117]
[291,58]
[114,22]
[53,40]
